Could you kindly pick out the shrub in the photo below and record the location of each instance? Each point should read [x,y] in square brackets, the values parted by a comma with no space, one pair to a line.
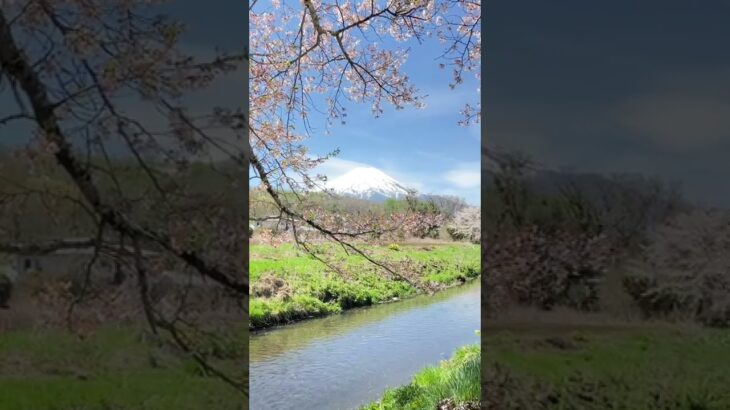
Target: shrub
[269,286]
[453,384]
[685,269]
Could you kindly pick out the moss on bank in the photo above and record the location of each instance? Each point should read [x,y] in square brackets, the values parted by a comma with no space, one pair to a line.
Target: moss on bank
[454,383]
[289,285]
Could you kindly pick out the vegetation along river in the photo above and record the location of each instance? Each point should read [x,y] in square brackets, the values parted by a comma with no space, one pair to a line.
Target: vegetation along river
[348,360]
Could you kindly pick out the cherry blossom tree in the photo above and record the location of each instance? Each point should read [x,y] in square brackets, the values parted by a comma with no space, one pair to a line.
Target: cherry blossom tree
[311,59]
[466,225]
[684,271]
[533,260]
[532,267]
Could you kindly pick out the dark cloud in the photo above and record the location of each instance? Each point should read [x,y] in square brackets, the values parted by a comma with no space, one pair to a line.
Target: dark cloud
[681,111]
[613,87]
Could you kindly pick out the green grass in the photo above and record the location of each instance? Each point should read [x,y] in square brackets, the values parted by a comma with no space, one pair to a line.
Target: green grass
[457,379]
[312,289]
[113,369]
[651,368]
[142,390]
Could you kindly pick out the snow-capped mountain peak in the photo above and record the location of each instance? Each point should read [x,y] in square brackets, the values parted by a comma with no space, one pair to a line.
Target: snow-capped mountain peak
[368,183]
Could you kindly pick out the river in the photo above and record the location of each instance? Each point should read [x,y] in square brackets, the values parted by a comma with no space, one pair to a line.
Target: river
[345,361]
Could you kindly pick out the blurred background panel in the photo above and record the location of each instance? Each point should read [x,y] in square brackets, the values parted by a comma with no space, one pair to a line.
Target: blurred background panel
[606,277]
[123,224]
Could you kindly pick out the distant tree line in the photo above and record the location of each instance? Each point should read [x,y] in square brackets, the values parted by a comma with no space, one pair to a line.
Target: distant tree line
[424,216]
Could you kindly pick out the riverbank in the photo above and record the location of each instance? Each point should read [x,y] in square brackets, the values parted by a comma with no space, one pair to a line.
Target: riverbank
[634,366]
[288,285]
[453,384]
[387,344]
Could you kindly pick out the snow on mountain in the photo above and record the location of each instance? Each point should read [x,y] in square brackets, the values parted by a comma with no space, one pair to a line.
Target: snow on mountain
[368,183]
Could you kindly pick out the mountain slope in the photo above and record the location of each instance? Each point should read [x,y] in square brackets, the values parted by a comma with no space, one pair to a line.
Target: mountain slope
[368,183]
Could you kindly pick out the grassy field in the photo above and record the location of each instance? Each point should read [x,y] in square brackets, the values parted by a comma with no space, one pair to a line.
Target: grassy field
[112,369]
[608,367]
[289,285]
[455,381]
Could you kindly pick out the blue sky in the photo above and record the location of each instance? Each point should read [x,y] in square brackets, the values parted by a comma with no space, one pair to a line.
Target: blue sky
[424,148]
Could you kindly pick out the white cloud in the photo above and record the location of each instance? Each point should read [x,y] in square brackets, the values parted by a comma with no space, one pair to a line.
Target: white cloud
[680,110]
[677,121]
[465,175]
[335,167]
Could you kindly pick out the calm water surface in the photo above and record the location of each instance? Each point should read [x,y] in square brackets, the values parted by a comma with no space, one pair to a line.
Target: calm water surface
[344,361]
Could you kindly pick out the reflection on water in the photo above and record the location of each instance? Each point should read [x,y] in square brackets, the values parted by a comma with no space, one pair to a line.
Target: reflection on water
[343,361]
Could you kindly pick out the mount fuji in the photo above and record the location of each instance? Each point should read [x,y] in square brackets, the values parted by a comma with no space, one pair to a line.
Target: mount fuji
[368,183]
